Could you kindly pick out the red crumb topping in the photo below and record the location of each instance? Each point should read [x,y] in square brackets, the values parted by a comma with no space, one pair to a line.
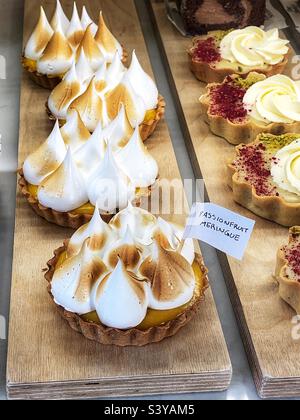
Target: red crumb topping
[207,51]
[255,165]
[226,100]
[293,258]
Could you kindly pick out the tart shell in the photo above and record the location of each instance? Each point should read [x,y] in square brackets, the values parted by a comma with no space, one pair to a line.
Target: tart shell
[273,208]
[146,128]
[244,132]
[133,337]
[289,290]
[67,219]
[205,72]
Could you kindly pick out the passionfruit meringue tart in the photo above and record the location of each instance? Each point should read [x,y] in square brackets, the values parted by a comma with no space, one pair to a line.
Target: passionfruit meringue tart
[265,177]
[240,109]
[219,54]
[288,270]
[73,170]
[102,95]
[54,47]
[131,282]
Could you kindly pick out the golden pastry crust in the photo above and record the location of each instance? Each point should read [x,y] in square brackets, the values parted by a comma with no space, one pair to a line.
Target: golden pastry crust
[289,289]
[244,132]
[134,336]
[67,219]
[207,73]
[146,128]
[274,208]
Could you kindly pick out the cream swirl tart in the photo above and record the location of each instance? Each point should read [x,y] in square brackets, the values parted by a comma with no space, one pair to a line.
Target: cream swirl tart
[288,270]
[240,109]
[99,96]
[131,282]
[265,177]
[53,47]
[219,54]
[73,170]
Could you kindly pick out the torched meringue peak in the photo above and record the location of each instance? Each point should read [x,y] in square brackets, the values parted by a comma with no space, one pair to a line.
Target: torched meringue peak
[99,233]
[90,107]
[74,132]
[100,76]
[57,57]
[64,94]
[91,50]
[142,83]
[91,153]
[73,282]
[172,279]
[109,186]
[140,221]
[119,131]
[137,162]
[39,38]
[87,21]
[166,235]
[83,68]
[64,190]
[75,31]
[124,94]
[108,44]
[60,19]
[115,72]
[46,159]
[123,291]
[127,249]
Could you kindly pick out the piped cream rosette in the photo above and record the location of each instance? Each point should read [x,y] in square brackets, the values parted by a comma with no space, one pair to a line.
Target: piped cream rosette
[73,170]
[54,47]
[254,47]
[134,274]
[97,96]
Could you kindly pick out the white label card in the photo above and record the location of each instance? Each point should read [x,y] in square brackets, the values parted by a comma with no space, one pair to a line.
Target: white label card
[223,229]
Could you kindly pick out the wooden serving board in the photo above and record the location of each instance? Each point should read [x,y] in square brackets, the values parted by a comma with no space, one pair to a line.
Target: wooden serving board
[46,359]
[265,320]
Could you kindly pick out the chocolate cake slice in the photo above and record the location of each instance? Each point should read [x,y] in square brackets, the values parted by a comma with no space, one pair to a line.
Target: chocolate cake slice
[201,16]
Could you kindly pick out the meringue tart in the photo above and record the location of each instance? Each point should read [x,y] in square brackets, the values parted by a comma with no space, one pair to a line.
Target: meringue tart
[240,109]
[53,47]
[265,177]
[288,270]
[218,54]
[99,97]
[73,170]
[131,282]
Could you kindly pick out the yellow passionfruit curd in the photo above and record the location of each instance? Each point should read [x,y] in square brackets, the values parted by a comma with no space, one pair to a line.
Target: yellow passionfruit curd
[87,208]
[150,116]
[155,318]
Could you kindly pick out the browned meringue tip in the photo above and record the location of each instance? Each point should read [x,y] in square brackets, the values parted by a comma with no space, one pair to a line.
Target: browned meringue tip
[41,80]
[146,128]
[129,338]
[206,73]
